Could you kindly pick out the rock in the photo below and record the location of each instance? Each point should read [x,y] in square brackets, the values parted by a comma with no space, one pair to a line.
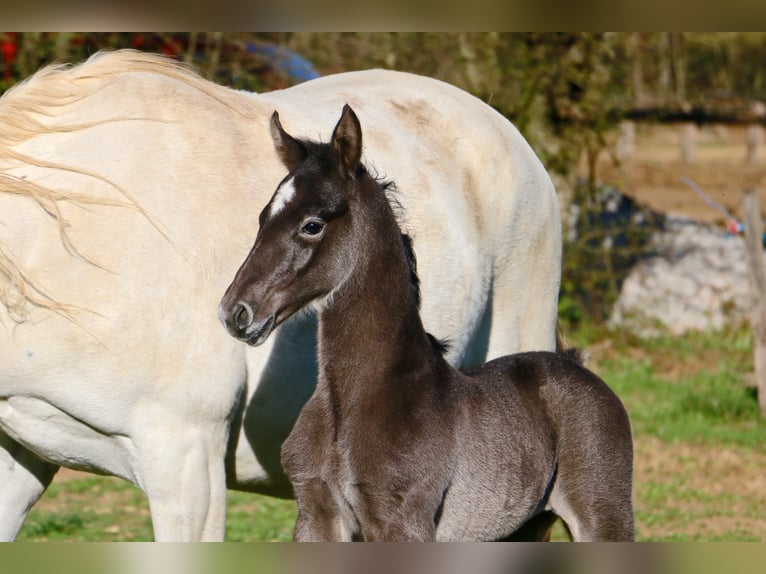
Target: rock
[696,279]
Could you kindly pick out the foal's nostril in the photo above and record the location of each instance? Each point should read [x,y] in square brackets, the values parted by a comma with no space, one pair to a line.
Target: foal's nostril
[241,316]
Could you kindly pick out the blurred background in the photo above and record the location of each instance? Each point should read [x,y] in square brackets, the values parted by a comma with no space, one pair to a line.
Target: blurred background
[654,141]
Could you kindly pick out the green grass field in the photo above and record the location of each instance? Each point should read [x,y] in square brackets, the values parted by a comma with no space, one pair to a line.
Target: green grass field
[700,458]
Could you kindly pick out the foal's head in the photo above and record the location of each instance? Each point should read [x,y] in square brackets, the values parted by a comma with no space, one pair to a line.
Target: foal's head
[308,238]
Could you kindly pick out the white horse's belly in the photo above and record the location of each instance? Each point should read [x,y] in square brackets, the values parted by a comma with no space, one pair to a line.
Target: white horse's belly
[62,439]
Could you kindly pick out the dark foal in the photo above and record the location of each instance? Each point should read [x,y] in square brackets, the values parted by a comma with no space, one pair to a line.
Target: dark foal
[395,444]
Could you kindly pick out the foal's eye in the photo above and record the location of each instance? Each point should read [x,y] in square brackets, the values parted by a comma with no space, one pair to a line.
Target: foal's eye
[312,227]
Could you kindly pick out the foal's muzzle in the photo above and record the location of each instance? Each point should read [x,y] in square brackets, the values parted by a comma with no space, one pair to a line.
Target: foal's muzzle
[241,324]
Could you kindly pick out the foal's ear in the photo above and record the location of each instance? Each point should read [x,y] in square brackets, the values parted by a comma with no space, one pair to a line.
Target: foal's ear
[347,141]
[290,150]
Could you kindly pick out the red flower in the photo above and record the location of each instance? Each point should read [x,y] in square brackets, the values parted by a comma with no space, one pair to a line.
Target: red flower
[8,49]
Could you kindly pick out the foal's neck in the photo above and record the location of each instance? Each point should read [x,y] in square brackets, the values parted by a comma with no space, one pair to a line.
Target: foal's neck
[370,333]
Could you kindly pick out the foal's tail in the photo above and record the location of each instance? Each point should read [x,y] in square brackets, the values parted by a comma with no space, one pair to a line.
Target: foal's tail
[575,355]
[578,356]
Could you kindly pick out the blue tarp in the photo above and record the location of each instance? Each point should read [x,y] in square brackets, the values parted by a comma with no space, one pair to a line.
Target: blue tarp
[284,60]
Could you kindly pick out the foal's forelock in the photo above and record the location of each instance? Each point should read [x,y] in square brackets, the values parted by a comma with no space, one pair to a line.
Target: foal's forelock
[284,194]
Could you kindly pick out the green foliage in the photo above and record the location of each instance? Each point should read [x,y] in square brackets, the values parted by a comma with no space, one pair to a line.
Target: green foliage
[690,391]
[718,397]
[597,260]
[106,509]
[99,509]
[220,57]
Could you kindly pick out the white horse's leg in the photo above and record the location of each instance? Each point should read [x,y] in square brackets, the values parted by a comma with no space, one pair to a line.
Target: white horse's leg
[181,470]
[23,478]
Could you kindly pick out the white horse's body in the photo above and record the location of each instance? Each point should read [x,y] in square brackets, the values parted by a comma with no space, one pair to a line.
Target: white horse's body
[129,195]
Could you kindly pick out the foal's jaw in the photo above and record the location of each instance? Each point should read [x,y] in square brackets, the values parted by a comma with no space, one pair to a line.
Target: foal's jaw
[259,332]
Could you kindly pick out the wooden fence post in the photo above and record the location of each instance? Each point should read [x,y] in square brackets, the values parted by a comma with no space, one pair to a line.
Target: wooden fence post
[753,142]
[751,211]
[626,143]
[688,140]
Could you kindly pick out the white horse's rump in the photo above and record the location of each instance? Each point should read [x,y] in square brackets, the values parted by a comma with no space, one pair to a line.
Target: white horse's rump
[129,195]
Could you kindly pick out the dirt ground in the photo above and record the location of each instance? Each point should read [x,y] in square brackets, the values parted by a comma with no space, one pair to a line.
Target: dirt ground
[732,476]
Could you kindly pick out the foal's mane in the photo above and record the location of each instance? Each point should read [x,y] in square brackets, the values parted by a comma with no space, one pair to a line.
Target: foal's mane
[441,346]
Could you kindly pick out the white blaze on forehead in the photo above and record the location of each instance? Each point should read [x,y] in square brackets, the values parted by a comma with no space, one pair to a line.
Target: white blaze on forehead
[282,197]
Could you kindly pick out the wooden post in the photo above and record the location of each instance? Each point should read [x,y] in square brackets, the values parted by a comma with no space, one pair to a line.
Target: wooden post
[754,132]
[688,137]
[213,53]
[626,143]
[753,141]
[191,48]
[756,267]
[61,50]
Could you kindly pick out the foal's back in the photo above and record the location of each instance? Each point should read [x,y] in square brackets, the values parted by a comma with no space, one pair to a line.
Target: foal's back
[534,415]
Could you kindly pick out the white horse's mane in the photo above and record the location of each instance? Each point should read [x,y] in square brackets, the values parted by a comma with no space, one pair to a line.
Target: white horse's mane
[23,109]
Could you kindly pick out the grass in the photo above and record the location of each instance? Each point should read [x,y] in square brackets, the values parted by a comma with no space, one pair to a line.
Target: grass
[260,518]
[99,509]
[106,509]
[698,430]
[709,408]
[691,388]
[698,466]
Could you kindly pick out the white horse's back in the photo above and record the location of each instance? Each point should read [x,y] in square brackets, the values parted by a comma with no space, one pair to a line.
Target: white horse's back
[129,195]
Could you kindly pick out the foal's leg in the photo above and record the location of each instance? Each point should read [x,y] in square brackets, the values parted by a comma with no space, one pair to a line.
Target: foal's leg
[319,518]
[391,514]
[596,507]
[23,478]
[413,528]
[599,521]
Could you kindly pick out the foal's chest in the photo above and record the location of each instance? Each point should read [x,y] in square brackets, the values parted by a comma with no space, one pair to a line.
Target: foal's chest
[317,450]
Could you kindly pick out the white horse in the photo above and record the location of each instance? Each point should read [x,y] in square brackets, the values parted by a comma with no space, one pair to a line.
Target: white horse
[129,195]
